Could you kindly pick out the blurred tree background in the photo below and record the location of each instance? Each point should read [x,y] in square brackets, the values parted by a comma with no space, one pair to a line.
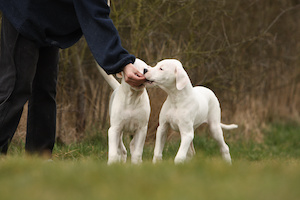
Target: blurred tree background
[246,51]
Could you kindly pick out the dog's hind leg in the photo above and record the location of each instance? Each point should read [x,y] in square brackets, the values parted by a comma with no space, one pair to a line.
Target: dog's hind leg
[137,145]
[191,152]
[122,150]
[217,134]
[161,136]
[132,145]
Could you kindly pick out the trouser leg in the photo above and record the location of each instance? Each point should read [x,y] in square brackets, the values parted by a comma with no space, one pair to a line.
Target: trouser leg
[41,121]
[18,63]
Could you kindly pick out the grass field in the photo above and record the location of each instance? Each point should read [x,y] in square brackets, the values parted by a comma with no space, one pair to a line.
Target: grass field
[270,170]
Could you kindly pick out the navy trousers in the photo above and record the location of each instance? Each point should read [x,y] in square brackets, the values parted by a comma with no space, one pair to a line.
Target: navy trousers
[28,72]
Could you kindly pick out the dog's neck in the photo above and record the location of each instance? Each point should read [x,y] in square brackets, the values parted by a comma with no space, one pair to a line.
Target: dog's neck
[178,96]
[131,95]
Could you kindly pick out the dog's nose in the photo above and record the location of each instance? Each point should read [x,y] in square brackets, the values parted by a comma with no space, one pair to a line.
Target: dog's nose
[145,70]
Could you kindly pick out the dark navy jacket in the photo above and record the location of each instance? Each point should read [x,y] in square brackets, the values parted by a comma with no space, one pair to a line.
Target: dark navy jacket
[61,23]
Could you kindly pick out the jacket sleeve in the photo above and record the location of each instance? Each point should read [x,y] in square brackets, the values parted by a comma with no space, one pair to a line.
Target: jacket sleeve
[101,35]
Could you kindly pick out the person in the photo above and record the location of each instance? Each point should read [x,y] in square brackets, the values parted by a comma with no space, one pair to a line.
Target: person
[32,32]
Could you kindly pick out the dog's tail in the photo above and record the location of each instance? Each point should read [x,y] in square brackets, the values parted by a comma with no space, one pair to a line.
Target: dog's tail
[110,79]
[229,127]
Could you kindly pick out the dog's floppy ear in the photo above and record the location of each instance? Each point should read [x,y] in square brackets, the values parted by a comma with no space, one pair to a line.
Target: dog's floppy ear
[182,78]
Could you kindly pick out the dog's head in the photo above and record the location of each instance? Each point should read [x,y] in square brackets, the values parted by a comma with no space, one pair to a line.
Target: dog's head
[167,73]
[140,65]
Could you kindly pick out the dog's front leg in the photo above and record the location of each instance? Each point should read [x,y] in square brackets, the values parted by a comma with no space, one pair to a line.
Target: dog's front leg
[137,145]
[114,137]
[187,137]
[161,135]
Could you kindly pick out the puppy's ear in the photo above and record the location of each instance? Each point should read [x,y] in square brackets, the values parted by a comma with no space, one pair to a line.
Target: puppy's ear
[119,75]
[182,78]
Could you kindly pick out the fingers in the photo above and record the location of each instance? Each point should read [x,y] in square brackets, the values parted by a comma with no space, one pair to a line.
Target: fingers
[133,77]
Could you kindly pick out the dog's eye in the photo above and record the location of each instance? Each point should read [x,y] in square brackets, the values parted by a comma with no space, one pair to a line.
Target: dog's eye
[161,69]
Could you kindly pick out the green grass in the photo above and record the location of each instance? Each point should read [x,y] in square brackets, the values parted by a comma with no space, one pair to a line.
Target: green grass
[270,170]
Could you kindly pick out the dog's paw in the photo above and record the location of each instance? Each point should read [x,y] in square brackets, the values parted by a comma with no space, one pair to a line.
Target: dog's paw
[156,159]
[136,160]
[124,158]
[179,160]
[113,159]
[227,158]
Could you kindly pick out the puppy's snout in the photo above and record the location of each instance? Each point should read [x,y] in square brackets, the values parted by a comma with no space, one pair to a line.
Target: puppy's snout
[145,70]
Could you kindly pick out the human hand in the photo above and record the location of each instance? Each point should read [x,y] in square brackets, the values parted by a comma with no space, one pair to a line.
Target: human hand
[133,77]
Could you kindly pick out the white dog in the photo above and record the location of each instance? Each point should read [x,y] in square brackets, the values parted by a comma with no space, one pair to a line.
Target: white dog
[129,110]
[185,108]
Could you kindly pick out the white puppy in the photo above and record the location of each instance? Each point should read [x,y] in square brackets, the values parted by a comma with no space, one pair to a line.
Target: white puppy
[185,108]
[129,111]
